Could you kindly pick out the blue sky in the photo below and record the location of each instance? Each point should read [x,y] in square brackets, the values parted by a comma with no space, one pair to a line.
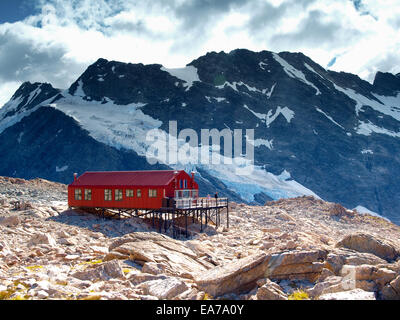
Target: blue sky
[55,40]
[16,10]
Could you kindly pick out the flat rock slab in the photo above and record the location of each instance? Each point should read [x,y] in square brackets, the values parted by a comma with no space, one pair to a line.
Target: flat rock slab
[232,276]
[105,271]
[178,259]
[364,242]
[164,288]
[241,273]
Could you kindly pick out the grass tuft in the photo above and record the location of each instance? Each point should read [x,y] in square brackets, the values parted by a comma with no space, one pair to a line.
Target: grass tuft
[299,295]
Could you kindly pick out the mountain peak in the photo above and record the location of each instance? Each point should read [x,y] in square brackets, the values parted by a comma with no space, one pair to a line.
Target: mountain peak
[124,83]
[386,83]
[27,88]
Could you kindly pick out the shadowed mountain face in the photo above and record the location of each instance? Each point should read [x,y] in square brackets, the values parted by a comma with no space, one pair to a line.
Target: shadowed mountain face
[316,130]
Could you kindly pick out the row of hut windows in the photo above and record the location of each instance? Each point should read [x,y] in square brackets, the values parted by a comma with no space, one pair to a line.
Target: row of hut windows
[183,184]
[118,195]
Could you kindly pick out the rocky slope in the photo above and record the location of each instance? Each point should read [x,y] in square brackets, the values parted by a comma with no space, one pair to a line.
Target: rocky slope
[300,246]
[316,131]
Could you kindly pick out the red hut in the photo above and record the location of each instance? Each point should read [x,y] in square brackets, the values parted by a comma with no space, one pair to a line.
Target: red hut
[131,189]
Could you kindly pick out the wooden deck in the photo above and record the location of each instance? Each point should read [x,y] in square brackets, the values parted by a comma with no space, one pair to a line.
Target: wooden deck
[201,203]
[174,214]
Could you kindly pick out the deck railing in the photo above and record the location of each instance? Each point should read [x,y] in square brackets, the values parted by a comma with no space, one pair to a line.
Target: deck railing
[193,203]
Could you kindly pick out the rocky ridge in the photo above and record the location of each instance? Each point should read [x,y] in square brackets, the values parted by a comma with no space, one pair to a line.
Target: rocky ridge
[300,247]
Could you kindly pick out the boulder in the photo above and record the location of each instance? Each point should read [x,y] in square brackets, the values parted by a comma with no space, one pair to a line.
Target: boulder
[164,288]
[43,238]
[115,255]
[391,291]
[270,291]
[177,258]
[233,276]
[138,278]
[336,284]
[296,265]
[242,274]
[10,221]
[154,268]
[325,273]
[340,257]
[380,276]
[365,277]
[104,271]
[364,242]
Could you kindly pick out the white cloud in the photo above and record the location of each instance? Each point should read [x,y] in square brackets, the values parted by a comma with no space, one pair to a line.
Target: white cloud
[7,90]
[57,44]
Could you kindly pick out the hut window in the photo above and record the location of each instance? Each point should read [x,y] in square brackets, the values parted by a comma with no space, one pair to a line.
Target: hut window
[129,193]
[88,194]
[78,194]
[152,193]
[185,184]
[139,193]
[118,195]
[180,184]
[108,195]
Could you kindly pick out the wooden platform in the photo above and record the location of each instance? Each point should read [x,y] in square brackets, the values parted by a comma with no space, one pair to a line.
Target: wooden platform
[203,211]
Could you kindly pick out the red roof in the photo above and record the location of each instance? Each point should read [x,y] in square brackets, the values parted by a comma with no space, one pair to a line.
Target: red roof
[125,178]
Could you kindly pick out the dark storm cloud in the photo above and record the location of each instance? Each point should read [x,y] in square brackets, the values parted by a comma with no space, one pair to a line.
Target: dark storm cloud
[200,16]
[197,13]
[22,60]
[313,31]
[263,14]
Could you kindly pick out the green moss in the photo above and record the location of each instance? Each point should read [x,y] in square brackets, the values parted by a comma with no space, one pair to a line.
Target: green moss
[219,80]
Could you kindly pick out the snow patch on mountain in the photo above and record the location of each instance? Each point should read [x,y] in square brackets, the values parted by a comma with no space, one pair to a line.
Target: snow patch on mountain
[329,117]
[269,118]
[269,93]
[294,73]
[389,105]
[218,99]
[285,111]
[263,142]
[7,120]
[312,70]
[262,65]
[259,181]
[366,128]
[363,210]
[20,137]
[79,89]
[115,125]
[234,85]
[61,169]
[33,95]
[187,74]
[367,151]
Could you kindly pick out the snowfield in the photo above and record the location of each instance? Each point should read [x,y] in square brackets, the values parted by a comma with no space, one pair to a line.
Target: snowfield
[188,75]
